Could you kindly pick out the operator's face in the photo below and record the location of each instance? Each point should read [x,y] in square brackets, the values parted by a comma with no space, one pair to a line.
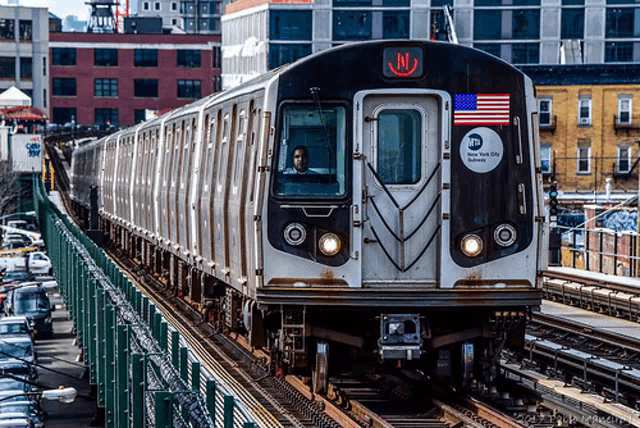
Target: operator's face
[300,161]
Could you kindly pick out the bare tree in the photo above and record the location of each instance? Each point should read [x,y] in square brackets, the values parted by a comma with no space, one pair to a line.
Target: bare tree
[9,189]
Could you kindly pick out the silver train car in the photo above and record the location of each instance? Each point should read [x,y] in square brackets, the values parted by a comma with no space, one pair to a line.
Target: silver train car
[382,199]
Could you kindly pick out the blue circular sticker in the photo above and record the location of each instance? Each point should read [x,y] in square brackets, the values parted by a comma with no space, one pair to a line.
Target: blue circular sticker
[481,150]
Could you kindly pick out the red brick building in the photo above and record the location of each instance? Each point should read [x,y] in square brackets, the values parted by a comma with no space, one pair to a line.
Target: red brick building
[114,78]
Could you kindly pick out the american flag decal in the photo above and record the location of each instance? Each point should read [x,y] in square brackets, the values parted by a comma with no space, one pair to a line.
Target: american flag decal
[480,109]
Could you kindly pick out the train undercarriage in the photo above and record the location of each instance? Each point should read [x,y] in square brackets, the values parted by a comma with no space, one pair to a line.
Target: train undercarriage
[451,345]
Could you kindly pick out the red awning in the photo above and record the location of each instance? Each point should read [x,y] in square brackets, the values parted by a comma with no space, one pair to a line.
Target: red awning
[23,113]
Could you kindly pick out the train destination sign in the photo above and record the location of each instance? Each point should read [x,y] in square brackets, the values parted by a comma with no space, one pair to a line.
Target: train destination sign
[402,62]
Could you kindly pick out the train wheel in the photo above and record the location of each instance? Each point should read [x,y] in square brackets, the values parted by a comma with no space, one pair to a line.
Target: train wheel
[320,375]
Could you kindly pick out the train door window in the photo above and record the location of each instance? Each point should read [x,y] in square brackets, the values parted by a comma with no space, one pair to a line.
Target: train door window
[186,158]
[584,110]
[545,158]
[209,156]
[225,140]
[584,159]
[624,109]
[176,154]
[239,148]
[624,159]
[545,109]
[399,146]
[311,156]
[167,156]
[255,129]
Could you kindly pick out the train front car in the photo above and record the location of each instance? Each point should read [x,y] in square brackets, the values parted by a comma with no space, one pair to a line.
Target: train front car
[402,220]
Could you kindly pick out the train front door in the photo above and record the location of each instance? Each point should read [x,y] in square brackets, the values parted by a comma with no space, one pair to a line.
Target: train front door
[397,182]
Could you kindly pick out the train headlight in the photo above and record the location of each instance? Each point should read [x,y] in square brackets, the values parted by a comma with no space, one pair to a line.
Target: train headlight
[471,245]
[330,244]
[505,235]
[295,234]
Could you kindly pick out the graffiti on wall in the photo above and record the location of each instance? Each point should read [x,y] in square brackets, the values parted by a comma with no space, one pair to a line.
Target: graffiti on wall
[620,220]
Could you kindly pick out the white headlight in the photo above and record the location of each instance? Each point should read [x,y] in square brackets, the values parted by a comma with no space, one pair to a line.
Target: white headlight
[471,245]
[330,244]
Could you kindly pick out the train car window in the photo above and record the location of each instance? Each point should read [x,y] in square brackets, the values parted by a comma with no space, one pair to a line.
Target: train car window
[312,152]
[399,146]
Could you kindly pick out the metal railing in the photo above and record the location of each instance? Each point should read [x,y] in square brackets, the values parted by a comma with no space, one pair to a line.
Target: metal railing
[601,250]
[143,373]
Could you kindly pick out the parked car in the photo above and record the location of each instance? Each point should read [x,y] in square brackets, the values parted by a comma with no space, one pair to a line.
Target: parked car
[32,302]
[20,407]
[14,383]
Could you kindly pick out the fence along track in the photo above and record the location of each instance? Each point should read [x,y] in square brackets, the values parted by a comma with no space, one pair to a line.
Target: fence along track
[112,320]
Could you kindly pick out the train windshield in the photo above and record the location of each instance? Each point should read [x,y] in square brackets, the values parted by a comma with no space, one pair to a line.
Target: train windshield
[311,156]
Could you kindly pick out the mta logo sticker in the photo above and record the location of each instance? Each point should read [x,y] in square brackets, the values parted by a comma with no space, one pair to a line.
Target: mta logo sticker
[33,150]
[481,150]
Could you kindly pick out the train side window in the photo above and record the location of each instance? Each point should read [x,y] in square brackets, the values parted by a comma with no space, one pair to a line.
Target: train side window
[209,157]
[319,138]
[399,146]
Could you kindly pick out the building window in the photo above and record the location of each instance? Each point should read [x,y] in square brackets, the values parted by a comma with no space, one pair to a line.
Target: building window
[624,109]
[174,22]
[63,56]
[618,52]
[145,58]
[106,116]
[62,115]
[140,115]
[620,22]
[7,29]
[64,87]
[106,87]
[584,110]
[44,65]
[7,67]
[584,159]
[351,25]
[216,57]
[189,89]
[545,158]
[188,58]
[624,159]
[156,6]
[290,24]
[545,109]
[174,6]
[105,57]
[145,88]
[284,54]
[526,24]
[487,25]
[525,53]
[395,25]
[572,26]
[145,5]
[26,29]
[26,67]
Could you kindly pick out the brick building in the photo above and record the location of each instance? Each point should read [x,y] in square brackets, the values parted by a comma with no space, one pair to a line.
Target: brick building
[114,78]
[589,125]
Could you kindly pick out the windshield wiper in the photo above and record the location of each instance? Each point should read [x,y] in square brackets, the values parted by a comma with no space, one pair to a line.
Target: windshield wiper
[316,97]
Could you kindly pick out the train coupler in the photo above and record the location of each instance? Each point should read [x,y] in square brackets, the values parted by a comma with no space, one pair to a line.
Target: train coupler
[400,337]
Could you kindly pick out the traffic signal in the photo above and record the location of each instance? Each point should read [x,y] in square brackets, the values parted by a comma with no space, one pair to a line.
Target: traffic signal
[553,199]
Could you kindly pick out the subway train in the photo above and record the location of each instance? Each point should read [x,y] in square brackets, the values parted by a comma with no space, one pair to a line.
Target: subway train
[378,203]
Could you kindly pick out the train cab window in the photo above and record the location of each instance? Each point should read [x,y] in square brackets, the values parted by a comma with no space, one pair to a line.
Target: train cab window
[312,152]
[399,148]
